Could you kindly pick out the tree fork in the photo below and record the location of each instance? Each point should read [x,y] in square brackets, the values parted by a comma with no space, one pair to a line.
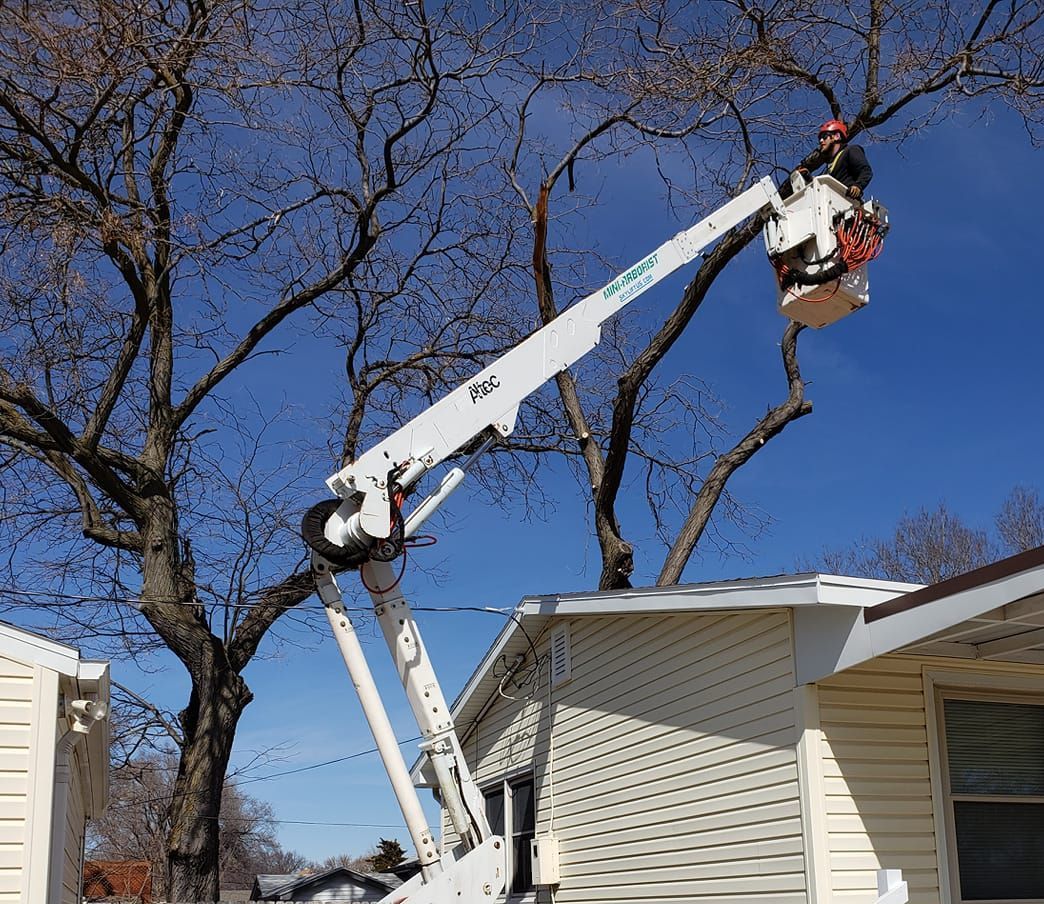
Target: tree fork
[771,425]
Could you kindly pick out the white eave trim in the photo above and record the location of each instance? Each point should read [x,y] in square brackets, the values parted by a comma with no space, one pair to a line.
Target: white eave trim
[829,642]
[780,591]
[24,646]
[906,627]
[93,681]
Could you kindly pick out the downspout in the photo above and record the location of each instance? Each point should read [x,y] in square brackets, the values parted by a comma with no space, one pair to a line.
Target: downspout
[86,714]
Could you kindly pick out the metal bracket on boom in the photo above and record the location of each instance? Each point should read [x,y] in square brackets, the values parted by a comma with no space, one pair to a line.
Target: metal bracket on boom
[482,867]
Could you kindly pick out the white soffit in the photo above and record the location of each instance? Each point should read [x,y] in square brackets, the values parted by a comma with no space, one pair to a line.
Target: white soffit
[828,642]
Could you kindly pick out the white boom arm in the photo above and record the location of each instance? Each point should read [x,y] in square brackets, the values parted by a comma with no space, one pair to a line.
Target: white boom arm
[492,397]
[343,535]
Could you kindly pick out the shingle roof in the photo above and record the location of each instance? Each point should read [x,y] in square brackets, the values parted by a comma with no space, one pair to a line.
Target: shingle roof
[274,887]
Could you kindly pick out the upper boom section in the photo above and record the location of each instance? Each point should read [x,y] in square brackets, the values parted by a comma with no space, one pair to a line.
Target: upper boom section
[492,397]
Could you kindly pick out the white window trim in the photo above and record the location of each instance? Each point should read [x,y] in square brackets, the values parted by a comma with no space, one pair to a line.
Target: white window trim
[503,784]
[987,685]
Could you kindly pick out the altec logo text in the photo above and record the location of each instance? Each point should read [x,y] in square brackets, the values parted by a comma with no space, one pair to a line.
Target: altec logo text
[630,276]
[482,388]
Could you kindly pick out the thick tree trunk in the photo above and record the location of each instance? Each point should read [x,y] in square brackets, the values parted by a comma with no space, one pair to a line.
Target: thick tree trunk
[219,695]
[210,724]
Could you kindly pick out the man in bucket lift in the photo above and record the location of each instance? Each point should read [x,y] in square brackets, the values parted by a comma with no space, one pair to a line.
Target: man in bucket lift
[845,162]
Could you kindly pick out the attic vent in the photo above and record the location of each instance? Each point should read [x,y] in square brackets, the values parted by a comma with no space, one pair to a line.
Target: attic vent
[561,662]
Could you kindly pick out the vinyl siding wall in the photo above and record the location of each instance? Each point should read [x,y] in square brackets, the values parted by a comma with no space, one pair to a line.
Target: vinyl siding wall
[16,696]
[877,774]
[674,776]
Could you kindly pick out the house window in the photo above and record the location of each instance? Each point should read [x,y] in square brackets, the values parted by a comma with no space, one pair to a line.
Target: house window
[995,797]
[511,811]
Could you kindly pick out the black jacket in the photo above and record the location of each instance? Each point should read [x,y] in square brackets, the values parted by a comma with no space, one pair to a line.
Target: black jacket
[850,167]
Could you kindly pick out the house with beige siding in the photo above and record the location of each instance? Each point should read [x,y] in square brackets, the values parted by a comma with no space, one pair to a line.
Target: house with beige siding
[769,740]
[53,764]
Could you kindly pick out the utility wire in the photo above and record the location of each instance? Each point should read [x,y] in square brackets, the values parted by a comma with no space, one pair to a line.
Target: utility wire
[138,601]
[505,612]
[259,778]
[309,822]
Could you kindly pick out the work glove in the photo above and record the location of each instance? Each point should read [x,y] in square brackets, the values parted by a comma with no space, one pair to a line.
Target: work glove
[854,191]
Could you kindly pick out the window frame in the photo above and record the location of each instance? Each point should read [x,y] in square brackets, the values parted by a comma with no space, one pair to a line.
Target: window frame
[505,786]
[987,687]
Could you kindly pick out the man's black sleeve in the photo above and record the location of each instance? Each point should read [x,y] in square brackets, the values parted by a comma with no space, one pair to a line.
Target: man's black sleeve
[859,167]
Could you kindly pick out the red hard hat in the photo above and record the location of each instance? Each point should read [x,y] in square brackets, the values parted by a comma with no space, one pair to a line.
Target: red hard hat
[834,125]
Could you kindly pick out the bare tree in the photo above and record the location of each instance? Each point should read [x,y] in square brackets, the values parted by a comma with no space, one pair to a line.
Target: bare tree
[1020,521]
[380,858]
[735,89]
[181,181]
[925,548]
[358,862]
[136,825]
[931,546]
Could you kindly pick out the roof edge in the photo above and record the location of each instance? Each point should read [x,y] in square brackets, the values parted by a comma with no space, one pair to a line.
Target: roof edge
[977,577]
[25,645]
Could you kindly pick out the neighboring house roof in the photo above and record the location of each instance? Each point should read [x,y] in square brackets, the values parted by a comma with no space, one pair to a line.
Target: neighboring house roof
[992,612]
[405,870]
[391,879]
[123,879]
[285,887]
[89,679]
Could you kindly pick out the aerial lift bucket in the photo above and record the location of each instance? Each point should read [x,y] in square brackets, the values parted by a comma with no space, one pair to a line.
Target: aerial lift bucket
[820,250]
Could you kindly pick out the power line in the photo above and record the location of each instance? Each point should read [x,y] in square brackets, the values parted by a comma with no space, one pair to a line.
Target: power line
[342,759]
[510,613]
[137,602]
[309,822]
[260,778]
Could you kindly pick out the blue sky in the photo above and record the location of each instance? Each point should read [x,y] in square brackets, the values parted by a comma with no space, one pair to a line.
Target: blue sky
[929,394]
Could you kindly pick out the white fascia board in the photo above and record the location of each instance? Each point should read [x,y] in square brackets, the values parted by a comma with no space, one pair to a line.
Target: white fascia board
[911,625]
[93,681]
[24,646]
[827,643]
[797,589]
[863,592]
[780,591]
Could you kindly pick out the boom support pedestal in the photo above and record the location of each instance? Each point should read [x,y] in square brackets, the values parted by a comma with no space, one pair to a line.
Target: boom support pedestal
[480,874]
